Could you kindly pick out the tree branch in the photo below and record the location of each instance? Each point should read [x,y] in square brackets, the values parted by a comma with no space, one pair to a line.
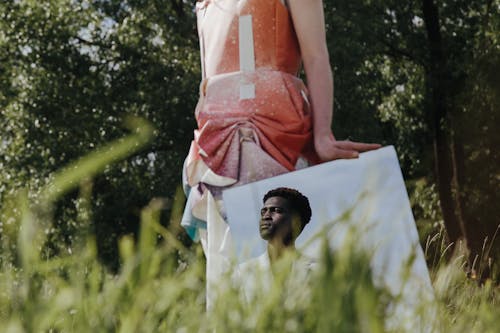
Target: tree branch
[90,43]
[178,8]
[398,53]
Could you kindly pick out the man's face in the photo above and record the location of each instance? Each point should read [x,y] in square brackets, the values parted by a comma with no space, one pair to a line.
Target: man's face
[276,220]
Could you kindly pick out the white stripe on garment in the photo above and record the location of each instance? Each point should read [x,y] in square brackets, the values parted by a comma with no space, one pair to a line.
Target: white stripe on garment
[247,54]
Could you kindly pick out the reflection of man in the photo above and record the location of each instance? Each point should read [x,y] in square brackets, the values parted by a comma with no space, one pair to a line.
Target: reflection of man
[284,215]
[282,218]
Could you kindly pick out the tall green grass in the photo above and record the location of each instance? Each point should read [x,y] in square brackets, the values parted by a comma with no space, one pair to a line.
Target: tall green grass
[161,285]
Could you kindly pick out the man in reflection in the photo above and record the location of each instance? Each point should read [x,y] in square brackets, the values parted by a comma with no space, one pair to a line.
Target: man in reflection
[284,215]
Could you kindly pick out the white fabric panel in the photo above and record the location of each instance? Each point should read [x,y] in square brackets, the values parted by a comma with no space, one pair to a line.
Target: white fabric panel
[219,249]
[247,91]
[247,54]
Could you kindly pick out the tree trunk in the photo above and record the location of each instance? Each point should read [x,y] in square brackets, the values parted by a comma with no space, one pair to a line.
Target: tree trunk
[446,168]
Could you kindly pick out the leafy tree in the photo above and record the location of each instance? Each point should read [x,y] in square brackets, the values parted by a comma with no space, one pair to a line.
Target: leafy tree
[69,73]
[416,74]
[426,69]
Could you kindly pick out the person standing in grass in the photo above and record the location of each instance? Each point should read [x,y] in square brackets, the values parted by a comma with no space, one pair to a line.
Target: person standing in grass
[255,116]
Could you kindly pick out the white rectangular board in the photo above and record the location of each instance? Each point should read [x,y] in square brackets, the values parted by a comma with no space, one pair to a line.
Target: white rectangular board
[367,194]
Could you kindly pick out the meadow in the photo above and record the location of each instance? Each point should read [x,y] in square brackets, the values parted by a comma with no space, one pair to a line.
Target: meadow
[160,286]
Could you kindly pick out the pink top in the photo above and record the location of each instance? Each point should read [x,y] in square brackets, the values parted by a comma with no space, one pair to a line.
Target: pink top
[275,41]
[253,96]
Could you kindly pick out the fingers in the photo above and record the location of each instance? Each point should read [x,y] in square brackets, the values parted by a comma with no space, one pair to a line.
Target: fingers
[357,146]
[343,153]
[331,149]
[337,153]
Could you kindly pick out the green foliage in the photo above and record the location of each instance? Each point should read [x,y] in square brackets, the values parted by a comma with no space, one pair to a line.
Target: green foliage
[69,72]
[382,61]
[378,81]
[465,307]
[161,285]
[425,205]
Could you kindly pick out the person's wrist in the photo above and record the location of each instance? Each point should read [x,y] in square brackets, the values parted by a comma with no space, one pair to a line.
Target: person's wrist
[321,136]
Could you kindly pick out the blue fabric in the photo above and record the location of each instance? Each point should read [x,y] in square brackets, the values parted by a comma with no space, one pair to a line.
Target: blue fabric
[190,223]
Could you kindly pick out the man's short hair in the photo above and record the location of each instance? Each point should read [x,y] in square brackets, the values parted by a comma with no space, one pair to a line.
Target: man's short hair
[297,200]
